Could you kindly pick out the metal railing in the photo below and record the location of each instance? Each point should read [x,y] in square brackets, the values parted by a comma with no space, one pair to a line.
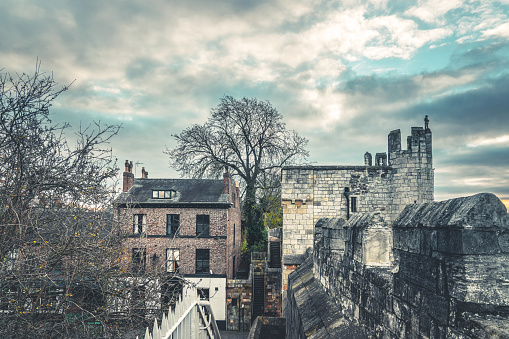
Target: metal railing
[190,318]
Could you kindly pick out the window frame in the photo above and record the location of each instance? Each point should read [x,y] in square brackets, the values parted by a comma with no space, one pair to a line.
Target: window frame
[203,293]
[137,224]
[139,260]
[202,257]
[173,225]
[202,227]
[353,204]
[173,260]
[164,194]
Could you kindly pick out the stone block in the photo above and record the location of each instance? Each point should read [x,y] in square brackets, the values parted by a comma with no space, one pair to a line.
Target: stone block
[467,241]
[480,279]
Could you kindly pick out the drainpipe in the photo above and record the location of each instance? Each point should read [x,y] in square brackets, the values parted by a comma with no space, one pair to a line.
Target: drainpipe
[346,193]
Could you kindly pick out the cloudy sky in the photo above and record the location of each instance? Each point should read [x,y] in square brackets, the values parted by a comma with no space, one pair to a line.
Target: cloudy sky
[343,73]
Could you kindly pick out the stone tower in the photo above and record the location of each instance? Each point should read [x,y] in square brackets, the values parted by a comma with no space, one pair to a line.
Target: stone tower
[396,179]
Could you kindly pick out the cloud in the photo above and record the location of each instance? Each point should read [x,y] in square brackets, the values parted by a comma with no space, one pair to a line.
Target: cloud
[433,11]
[343,73]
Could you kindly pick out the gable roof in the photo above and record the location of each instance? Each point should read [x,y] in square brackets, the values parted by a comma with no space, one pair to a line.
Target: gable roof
[189,191]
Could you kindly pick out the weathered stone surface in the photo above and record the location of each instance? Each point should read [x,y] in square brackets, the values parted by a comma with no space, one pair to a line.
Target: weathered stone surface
[482,279]
[481,210]
[398,177]
[447,268]
[312,313]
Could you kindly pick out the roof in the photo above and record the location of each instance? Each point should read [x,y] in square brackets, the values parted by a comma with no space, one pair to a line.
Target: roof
[188,191]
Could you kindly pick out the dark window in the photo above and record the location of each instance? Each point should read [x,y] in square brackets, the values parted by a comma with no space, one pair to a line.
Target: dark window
[275,254]
[202,261]
[139,260]
[233,235]
[172,224]
[139,223]
[202,225]
[138,299]
[234,302]
[203,293]
[353,204]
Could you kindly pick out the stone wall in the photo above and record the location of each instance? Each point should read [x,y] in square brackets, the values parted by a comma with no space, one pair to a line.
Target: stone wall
[310,193]
[447,274]
[238,304]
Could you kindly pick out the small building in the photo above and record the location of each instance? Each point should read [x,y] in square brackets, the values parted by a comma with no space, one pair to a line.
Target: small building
[188,228]
[395,179]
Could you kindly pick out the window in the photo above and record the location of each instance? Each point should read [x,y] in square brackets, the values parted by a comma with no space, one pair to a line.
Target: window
[353,204]
[203,293]
[233,235]
[202,261]
[138,300]
[168,194]
[172,259]
[139,260]
[139,223]
[172,224]
[202,225]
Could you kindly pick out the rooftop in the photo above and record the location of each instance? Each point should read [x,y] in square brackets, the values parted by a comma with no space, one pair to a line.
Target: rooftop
[186,191]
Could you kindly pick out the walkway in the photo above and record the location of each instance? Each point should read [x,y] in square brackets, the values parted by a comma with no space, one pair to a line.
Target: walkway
[233,335]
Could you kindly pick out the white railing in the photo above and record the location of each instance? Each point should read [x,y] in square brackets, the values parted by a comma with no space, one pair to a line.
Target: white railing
[190,318]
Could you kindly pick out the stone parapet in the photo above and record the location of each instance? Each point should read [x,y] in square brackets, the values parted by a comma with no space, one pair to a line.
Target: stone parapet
[448,277]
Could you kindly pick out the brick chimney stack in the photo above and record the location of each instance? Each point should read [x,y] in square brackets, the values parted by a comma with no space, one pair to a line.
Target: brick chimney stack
[227,182]
[128,176]
[144,174]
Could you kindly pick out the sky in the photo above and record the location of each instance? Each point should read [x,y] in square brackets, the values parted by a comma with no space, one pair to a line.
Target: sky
[342,73]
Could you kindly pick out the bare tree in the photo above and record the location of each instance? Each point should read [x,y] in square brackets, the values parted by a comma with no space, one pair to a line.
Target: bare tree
[246,136]
[60,247]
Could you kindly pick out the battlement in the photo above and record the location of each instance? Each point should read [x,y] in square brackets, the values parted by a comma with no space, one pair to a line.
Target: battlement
[384,184]
[419,145]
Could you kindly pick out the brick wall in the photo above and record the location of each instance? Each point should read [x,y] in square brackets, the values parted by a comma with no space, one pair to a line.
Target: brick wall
[156,241]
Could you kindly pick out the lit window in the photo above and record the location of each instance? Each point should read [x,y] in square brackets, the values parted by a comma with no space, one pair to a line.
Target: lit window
[172,259]
[168,194]
[202,225]
[139,223]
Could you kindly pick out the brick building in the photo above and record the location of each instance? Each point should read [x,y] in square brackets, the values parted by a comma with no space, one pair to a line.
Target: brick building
[310,193]
[187,226]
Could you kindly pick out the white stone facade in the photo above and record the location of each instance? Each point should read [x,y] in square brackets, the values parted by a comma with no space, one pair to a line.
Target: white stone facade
[313,192]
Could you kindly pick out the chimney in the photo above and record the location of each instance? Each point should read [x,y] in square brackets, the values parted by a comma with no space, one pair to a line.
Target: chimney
[144,174]
[128,176]
[227,181]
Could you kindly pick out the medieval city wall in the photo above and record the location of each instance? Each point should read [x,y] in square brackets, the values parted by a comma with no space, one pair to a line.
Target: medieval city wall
[440,270]
[386,186]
